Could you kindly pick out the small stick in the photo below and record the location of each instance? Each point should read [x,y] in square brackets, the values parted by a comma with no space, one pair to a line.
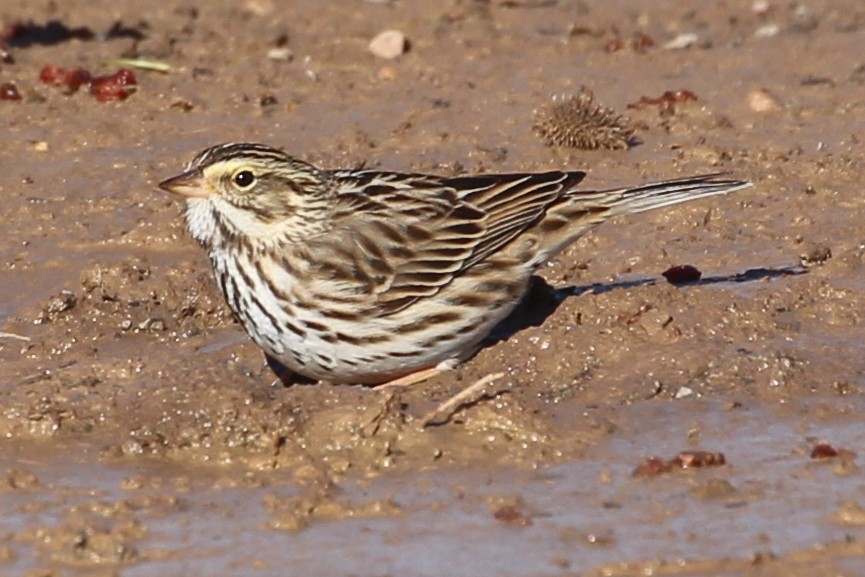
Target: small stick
[141,64]
[471,394]
[13,336]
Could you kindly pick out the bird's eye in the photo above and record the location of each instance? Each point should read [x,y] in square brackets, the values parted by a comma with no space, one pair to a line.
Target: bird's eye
[244,178]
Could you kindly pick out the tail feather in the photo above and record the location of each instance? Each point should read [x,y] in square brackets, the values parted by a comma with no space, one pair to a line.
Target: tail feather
[668,192]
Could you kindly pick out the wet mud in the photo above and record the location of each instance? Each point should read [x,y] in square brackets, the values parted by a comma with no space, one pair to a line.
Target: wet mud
[142,433]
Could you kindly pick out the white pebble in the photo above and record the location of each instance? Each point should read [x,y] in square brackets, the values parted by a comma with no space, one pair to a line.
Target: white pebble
[279,54]
[760,6]
[761,100]
[767,31]
[684,392]
[683,40]
[388,44]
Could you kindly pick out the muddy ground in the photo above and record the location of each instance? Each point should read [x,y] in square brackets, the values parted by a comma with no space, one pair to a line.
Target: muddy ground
[143,434]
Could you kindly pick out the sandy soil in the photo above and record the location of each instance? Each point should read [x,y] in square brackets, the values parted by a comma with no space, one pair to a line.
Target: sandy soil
[142,433]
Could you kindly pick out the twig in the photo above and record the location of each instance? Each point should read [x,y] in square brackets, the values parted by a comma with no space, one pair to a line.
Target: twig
[13,336]
[141,64]
[471,394]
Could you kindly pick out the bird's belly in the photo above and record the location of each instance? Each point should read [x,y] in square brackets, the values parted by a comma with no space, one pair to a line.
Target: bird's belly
[344,346]
[365,362]
[369,353]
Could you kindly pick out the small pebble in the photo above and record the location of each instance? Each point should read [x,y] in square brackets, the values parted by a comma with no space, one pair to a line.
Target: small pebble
[760,6]
[389,44]
[280,54]
[767,31]
[684,392]
[823,451]
[804,20]
[850,513]
[387,73]
[815,254]
[152,324]
[652,467]
[259,7]
[761,100]
[697,459]
[684,40]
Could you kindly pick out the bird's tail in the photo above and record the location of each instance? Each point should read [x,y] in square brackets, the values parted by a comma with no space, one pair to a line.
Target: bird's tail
[667,192]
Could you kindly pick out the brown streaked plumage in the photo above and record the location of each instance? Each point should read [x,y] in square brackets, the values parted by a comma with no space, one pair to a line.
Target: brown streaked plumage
[363,276]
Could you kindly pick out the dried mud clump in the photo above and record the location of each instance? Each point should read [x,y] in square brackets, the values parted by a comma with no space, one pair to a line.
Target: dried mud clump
[579,122]
[682,274]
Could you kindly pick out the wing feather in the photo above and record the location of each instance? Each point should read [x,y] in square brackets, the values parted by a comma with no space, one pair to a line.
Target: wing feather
[512,202]
[430,229]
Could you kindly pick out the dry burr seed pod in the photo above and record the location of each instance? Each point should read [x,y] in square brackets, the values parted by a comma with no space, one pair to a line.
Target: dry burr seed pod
[578,122]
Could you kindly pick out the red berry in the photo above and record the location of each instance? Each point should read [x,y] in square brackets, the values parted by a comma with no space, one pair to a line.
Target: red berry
[71,79]
[75,78]
[125,77]
[106,90]
[8,91]
[51,75]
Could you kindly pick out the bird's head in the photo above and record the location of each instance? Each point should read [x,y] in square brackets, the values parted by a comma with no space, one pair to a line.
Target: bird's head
[251,190]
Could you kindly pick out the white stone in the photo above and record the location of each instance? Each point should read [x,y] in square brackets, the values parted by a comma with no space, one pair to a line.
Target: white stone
[684,392]
[683,40]
[388,44]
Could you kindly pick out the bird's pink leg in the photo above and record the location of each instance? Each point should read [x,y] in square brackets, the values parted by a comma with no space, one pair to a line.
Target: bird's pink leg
[420,376]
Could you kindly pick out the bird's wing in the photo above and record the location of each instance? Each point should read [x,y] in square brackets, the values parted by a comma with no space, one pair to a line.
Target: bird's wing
[410,235]
[512,202]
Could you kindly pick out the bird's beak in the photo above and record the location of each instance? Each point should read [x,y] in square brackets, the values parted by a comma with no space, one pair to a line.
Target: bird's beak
[191,183]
